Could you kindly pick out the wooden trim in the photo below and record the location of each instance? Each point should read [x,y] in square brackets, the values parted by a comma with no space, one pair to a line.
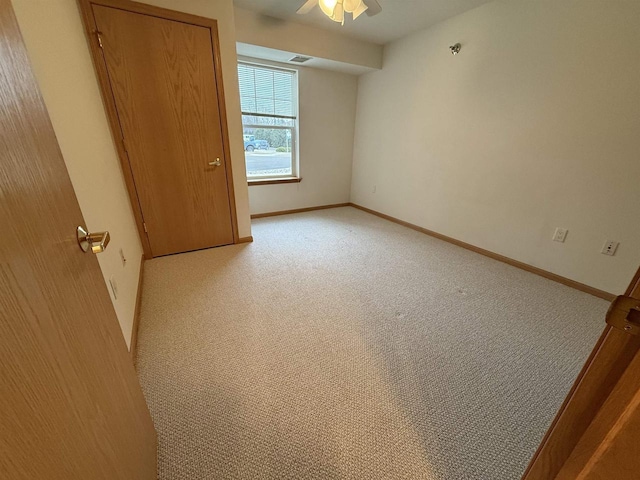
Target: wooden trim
[152,11]
[112,111]
[298,210]
[612,354]
[136,314]
[496,256]
[597,379]
[248,239]
[634,287]
[609,447]
[273,181]
[226,144]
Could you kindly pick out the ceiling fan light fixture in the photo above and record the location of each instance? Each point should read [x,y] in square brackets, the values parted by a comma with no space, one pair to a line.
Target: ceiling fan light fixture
[328,7]
[351,6]
[338,13]
[336,9]
[360,10]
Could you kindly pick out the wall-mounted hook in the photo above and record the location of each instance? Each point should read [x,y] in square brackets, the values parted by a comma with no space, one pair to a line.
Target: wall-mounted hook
[455,48]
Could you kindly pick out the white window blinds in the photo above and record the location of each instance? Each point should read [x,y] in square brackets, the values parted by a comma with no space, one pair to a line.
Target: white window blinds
[266,91]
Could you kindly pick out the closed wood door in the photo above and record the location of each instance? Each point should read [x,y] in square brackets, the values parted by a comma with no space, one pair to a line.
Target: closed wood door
[70,403]
[163,81]
[596,433]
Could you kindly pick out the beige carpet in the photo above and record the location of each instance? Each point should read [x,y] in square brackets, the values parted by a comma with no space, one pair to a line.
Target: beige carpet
[342,346]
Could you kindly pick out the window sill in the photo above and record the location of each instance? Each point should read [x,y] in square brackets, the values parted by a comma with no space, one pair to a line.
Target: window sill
[273,181]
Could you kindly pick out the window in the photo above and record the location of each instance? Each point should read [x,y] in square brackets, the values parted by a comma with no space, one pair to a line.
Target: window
[269,102]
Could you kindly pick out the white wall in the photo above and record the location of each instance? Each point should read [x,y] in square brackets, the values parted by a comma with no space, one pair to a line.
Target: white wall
[58,49]
[327,110]
[534,125]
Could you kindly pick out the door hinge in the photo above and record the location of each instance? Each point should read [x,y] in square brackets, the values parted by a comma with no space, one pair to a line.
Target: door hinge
[624,314]
[99,36]
[144,225]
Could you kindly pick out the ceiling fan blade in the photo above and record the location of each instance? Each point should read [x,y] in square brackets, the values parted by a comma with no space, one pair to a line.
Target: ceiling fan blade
[307,7]
[360,10]
[374,7]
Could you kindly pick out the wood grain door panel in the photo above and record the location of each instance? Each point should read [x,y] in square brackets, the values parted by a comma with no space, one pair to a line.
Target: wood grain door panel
[163,81]
[70,403]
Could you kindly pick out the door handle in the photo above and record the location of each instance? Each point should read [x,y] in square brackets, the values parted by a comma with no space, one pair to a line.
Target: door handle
[97,242]
[216,163]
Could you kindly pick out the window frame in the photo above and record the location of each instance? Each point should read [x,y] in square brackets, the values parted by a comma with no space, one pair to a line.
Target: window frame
[294,176]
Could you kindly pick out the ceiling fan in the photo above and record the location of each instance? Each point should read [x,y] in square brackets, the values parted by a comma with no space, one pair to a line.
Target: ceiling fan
[335,9]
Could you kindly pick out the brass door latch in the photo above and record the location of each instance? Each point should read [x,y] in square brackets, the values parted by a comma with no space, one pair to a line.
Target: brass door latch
[96,242]
[624,314]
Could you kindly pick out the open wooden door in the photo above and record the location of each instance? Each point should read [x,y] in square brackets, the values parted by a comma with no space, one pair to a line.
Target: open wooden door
[596,433]
[70,403]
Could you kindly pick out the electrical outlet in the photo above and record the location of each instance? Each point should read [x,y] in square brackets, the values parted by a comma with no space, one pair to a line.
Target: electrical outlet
[123,258]
[609,247]
[560,235]
[114,286]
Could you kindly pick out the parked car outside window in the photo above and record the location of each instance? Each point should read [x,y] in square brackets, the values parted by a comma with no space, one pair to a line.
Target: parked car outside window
[262,145]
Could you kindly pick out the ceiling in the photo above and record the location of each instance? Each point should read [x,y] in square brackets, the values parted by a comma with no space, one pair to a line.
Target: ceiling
[397,19]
